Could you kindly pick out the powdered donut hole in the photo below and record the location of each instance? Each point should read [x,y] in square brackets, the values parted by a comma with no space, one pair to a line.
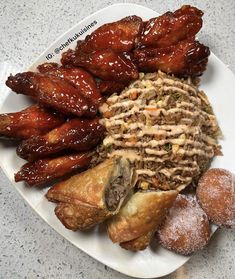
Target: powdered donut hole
[186,228]
[216,195]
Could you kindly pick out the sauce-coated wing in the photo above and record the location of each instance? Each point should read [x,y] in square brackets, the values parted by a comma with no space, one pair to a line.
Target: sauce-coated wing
[108,87]
[81,79]
[29,122]
[105,64]
[68,57]
[52,92]
[75,134]
[120,36]
[187,58]
[45,67]
[46,170]
[170,28]
[187,9]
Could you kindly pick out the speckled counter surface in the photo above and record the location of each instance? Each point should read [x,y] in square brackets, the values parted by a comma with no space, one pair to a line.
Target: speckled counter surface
[29,248]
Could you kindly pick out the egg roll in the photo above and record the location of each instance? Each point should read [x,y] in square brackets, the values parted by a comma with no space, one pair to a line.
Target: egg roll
[89,198]
[139,243]
[139,218]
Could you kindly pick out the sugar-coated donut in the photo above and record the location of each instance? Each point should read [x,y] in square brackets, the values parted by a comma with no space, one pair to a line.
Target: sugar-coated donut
[186,228]
[216,195]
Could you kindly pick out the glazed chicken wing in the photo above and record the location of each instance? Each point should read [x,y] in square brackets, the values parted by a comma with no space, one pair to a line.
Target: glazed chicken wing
[68,57]
[78,77]
[105,64]
[187,9]
[108,87]
[52,92]
[170,28]
[45,67]
[46,170]
[120,36]
[29,122]
[187,58]
[75,134]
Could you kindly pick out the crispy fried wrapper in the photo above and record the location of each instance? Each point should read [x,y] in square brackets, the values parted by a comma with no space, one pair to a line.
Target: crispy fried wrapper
[137,220]
[139,243]
[91,197]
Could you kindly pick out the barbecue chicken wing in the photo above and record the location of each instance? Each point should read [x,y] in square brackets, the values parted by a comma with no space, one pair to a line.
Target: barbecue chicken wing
[79,78]
[46,67]
[120,36]
[187,9]
[29,122]
[75,134]
[52,92]
[108,87]
[68,57]
[105,64]
[46,170]
[170,28]
[187,58]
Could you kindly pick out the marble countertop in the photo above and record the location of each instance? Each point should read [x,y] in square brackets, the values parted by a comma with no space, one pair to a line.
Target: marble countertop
[29,247]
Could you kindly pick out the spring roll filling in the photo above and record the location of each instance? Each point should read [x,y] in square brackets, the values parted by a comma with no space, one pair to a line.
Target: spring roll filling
[119,185]
[115,192]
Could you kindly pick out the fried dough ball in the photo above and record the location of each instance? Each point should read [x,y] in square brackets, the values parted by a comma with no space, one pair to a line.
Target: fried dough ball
[216,195]
[186,228]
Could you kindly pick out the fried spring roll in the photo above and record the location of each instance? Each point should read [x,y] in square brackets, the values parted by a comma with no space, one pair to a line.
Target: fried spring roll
[46,170]
[52,92]
[75,134]
[139,218]
[32,121]
[139,243]
[91,197]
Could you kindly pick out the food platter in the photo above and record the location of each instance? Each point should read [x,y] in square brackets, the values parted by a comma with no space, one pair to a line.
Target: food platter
[219,84]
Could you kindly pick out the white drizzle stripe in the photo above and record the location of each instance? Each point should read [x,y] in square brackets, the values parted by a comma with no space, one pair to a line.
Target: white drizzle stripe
[136,124]
[155,143]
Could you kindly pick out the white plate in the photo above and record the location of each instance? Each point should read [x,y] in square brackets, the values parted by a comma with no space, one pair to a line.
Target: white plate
[219,84]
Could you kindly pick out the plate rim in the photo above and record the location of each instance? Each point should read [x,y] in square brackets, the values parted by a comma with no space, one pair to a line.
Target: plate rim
[35,207]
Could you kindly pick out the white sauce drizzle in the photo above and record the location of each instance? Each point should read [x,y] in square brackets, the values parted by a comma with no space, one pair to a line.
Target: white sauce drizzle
[126,134]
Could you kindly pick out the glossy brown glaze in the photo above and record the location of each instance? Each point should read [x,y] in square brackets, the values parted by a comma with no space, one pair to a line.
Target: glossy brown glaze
[29,122]
[120,36]
[187,9]
[46,170]
[45,67]
[75,134]
[68,57]
[53,92]
[187,58]
[170,28]
[107,65]
[108,87]
[79,78]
